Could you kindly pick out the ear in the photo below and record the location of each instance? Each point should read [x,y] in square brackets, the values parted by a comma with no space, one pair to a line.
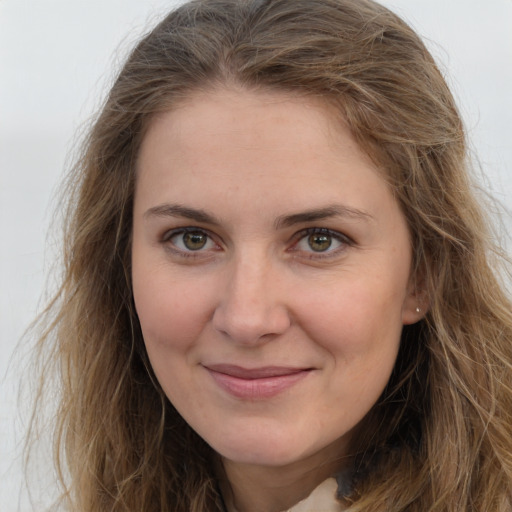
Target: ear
[416,303]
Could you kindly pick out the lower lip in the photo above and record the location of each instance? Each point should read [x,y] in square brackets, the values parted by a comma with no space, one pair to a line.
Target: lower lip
[257,389]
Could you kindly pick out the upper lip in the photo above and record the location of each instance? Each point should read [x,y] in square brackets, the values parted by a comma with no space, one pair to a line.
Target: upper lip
[254,373]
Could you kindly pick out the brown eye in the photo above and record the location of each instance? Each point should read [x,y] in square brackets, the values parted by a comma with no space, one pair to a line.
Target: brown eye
[319,242]
[194,240]
[189,240]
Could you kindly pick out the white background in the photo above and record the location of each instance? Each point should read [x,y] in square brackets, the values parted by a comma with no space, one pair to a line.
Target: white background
[56,58]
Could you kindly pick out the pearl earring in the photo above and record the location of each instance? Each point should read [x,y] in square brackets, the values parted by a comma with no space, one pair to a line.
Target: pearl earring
[418,310]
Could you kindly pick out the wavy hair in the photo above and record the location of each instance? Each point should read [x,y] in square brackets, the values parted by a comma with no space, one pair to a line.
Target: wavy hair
[439,438]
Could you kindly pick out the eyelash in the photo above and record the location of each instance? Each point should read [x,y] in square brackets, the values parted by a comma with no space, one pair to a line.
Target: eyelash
[166,240]
[341,238]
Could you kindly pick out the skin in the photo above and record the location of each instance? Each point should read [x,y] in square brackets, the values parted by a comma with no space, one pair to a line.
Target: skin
[240,168]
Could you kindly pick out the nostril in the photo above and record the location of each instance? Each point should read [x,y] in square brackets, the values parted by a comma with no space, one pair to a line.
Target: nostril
[251,308]
[249,327]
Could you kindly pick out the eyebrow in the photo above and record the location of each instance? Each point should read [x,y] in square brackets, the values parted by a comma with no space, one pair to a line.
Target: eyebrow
[284,221]
[334,210]
[178,210]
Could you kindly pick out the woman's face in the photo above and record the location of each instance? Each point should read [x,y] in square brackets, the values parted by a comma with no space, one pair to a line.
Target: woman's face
[271,274]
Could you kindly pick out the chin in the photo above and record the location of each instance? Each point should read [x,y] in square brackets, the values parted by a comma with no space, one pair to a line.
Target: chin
[264,448]
[260,457]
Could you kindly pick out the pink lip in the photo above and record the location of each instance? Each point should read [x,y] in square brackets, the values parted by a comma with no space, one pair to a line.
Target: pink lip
[256,383]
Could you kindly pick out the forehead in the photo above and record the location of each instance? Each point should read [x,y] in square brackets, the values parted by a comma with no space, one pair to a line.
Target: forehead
[255,143]
[239,111]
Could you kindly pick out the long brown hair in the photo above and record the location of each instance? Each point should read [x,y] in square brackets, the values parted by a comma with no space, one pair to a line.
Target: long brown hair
[439,439]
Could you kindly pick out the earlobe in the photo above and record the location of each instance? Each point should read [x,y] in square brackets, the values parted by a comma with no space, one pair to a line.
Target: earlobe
[413,311]
[416,304]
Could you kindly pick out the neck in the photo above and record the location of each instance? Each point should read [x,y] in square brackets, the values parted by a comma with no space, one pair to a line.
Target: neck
[256,488]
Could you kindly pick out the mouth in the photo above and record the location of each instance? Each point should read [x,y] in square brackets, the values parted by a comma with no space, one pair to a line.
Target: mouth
[256,383]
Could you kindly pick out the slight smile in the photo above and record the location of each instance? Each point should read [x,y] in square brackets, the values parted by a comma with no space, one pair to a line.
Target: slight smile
[255,383]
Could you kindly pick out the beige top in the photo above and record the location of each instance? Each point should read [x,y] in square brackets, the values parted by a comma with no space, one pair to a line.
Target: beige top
[322,499]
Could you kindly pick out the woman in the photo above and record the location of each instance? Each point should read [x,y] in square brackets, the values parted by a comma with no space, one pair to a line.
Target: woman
[279,289]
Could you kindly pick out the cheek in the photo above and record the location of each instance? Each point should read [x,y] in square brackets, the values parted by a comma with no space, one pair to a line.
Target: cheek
[360,320]
[171,312]
[172,316]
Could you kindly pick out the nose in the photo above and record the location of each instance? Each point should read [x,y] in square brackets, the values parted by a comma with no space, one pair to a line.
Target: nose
[252,308]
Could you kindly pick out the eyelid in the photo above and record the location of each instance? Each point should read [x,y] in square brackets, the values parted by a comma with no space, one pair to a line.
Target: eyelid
[169,233]
[344,239]
[200,253]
